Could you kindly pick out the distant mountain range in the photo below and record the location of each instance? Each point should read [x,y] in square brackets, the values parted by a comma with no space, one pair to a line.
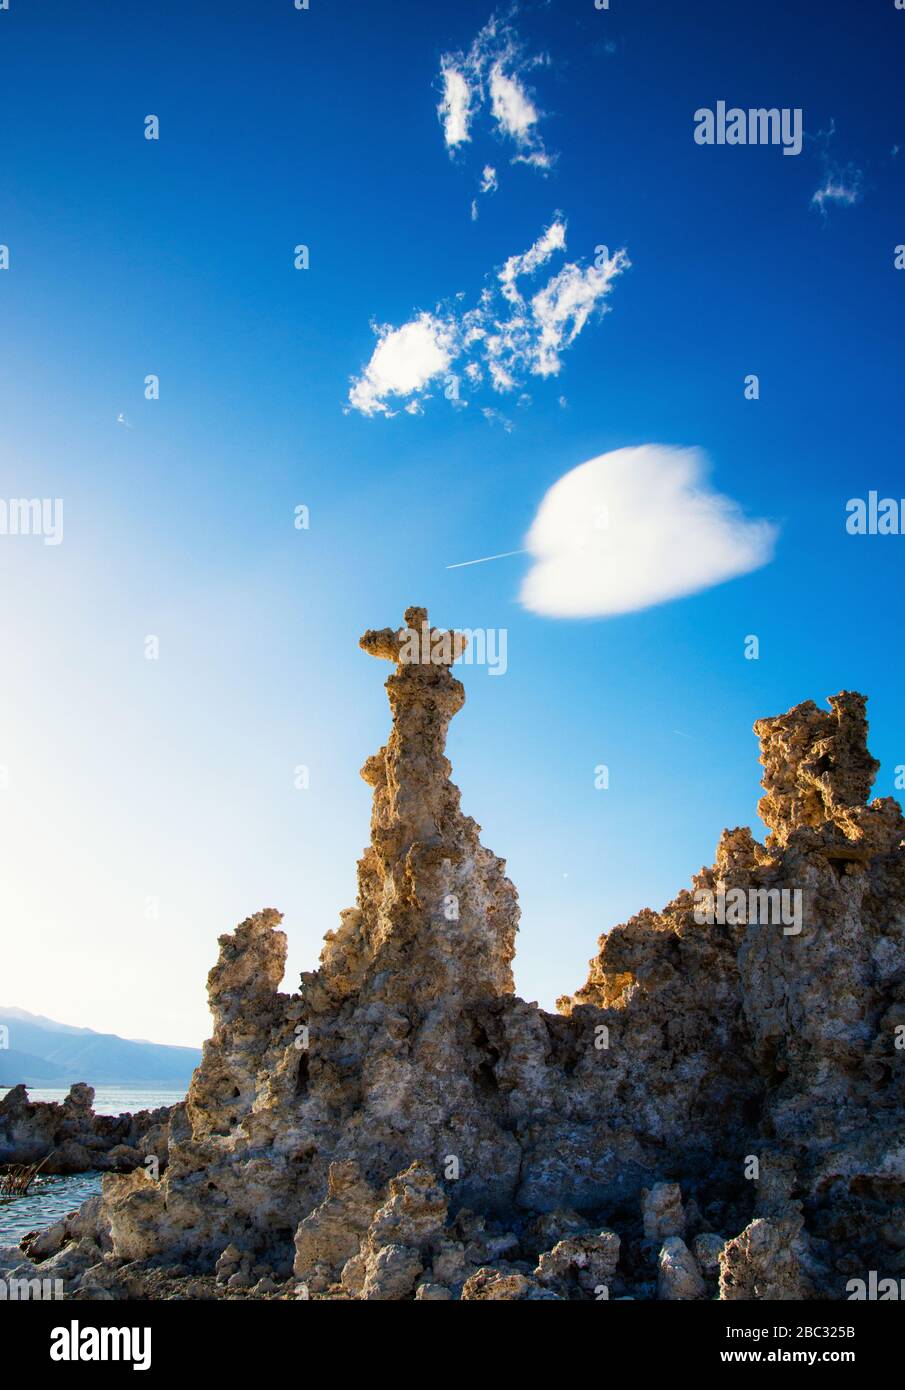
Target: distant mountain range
[44,1053]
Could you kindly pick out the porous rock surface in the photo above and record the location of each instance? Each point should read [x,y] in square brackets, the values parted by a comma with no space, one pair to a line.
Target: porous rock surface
[716,1112]
[67,1137]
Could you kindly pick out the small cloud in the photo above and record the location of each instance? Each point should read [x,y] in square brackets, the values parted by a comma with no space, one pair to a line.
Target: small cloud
[553,239]
[121,420]
[510,334]
[489,179]
[403,362]
[493,73]
[842,185]
[455,108]
[513,110]
[633,528]
[536,159]
[843,188]
[494,417]
[562,308]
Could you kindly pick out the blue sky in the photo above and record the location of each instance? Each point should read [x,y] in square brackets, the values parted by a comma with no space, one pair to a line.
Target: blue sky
[172,779]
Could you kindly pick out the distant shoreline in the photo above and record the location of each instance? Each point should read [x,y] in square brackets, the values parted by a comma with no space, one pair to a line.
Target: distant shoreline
[47,1056]
[115,1099]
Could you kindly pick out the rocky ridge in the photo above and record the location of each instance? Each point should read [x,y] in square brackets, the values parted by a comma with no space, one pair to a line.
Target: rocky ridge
[716,1112]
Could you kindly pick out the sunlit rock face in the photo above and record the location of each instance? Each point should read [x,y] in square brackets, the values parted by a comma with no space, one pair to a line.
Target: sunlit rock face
[719,1107]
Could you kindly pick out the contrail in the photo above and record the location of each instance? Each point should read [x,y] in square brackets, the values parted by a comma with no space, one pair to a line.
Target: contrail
[484,558]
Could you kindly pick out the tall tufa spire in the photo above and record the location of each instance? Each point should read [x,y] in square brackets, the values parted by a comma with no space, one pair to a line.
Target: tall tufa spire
[435,910]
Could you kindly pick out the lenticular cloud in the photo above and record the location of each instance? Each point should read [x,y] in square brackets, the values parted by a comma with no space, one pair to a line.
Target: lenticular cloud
[633,528]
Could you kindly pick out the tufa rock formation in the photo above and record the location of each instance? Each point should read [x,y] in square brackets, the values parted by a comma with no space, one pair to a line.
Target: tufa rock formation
[717,1111]
[70,1138]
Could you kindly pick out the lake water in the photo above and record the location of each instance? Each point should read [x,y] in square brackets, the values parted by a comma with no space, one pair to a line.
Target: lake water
[53,1197]
[48,1200]
[113,1100]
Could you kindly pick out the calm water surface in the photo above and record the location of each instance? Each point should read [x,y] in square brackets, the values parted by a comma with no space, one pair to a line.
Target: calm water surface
[113,1100]
[52,1197]
[48,1200]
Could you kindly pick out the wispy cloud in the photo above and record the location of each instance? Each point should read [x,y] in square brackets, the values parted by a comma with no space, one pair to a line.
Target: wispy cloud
[840,184]
[516,330]
[633,528]
[513,110]
[455,108]
[488,184]
[553,239]
[491,78]
[495,417]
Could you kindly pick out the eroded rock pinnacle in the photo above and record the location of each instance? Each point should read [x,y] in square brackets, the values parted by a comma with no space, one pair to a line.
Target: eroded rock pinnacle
[718,1108]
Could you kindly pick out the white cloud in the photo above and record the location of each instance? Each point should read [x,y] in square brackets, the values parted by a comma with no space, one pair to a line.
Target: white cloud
[536,159]
[493,417]
[489,179]
[403,362]
[839,187]
[512,108]
[633,528]
[501,378]
[562,308]
[492,73]
[488,184]
[505,335]
[455,108]
[840,184]
[553,239]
